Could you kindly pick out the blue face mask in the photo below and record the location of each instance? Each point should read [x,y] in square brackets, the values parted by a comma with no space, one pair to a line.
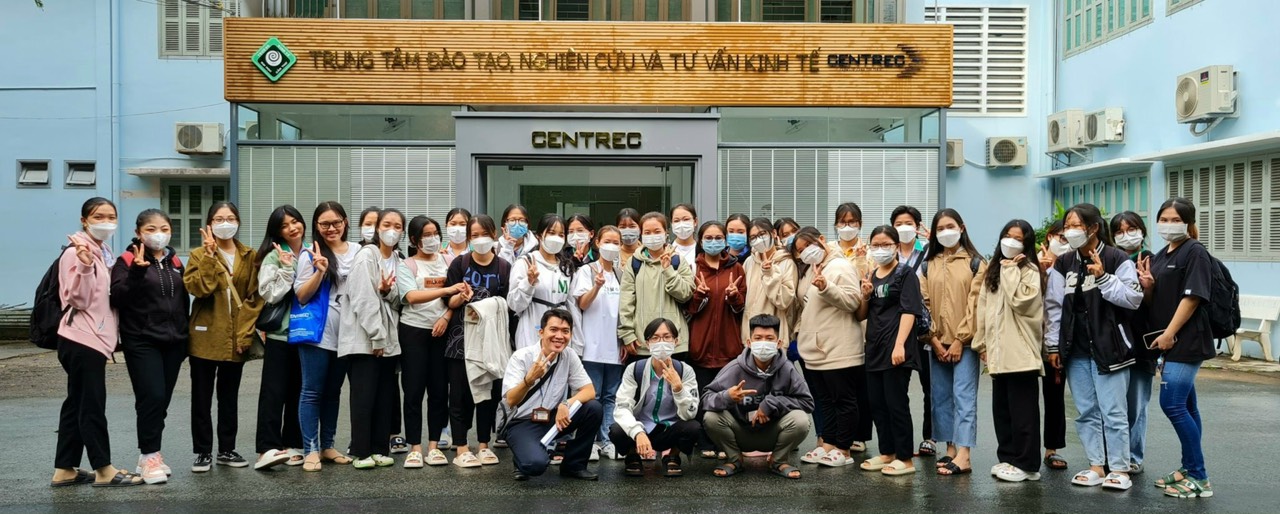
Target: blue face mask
[517,229]
[737,241]
[713,246]
[790,240]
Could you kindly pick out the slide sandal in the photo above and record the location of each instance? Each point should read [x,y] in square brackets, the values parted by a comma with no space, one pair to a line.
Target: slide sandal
[82,477]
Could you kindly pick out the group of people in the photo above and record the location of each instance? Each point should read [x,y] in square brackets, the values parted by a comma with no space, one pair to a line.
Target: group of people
[659,337]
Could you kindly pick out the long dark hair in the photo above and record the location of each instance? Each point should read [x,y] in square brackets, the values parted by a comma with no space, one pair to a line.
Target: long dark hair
[515,206]
[360,223]
[336,208]
[1028,253]
[1091,217]
[1185,209]
[586,223]
[414,232]
[849,208]
[564,258]
[275,225]
[486,223]
[810,235]
[382,214]
[456,211]
[936,248]
[702,230]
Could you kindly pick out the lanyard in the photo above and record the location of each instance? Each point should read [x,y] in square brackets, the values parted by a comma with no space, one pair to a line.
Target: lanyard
[657,402]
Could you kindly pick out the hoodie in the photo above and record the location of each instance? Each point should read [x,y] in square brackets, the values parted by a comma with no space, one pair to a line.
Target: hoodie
[508,252]
[151,301]
[779,389]
[90,319]
[369,317]
[773,291]
[715,318]
[654,292]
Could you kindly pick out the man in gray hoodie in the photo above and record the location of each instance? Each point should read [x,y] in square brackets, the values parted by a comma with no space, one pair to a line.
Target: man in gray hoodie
[759,403]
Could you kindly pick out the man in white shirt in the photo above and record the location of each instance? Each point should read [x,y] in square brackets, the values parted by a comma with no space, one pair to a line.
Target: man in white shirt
[535,387]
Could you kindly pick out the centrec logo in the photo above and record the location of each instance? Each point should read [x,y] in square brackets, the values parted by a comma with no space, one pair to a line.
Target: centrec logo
[273,59]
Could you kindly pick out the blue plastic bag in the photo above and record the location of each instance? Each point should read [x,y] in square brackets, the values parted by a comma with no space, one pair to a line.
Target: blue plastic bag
[306,320]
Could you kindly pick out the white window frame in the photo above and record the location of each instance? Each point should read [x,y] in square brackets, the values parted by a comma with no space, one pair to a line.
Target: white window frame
[73,168]
[177,18]
[1102,20]
[23,170]
[1237,203]
[1173,6]
[181,218]
[990,66]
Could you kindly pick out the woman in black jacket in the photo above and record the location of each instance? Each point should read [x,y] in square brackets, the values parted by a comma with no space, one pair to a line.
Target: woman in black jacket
[152,303]
[1130,233]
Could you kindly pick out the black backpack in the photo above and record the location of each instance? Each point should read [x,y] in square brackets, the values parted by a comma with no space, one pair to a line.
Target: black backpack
[641,365]
[1223,307]
[47,309]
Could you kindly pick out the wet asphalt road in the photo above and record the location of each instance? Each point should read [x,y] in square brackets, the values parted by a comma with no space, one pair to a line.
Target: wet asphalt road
[1240,410]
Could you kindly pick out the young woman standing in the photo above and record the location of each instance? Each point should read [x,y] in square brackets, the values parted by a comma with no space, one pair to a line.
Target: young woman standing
[893,292]
[850,244]
[597,292]
[370,343]
[736,226]
[951,278]
[653,288]
[222,275]
[84,288]
[771,280]
[456,234]
[581,240]
[516,239]
[1054,380]
[1089,291]
[913,241]
[628,223]
[540,281]
[152,303]
[684,224]
[1130,233]
[715,311]
[322,277]
[1177,280]
[1009,335]
[279,437]
[830,340]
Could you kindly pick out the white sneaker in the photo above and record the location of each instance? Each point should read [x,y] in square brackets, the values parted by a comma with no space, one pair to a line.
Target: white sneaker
[152,472]
[814,456]
[487,457]
[1011,474]
[609,451]
[995,470]
[167,470]
[270,459]
[595,453]
[436,458]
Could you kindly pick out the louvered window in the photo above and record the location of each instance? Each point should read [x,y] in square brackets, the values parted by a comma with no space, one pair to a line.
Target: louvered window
[1178,5]
[1237,204]
[1088,23]
[990,60]
[414,181]
[193,28]
[1112,195]
[808,184]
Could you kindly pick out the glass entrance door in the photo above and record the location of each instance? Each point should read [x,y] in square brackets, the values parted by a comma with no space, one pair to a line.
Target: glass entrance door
[597,189]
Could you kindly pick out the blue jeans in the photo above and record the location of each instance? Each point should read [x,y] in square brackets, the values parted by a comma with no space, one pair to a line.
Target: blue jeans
[955,399]
[1103,404]
[1139,397]
[322,376]
[606,378]
[1178,401]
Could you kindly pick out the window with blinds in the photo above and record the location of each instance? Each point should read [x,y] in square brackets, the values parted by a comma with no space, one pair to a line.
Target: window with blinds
[1086,24]
[808,184]
[190,28]
[1113,195]
[1237,204]
[990,60]
[414,181]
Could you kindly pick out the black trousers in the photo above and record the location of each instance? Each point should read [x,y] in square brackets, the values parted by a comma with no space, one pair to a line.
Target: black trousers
[1015,412]
[278,398]
[424,371]
[531,457]
[891,408]
[835,392]
[1055,408]
[926,386]
[153,371]
[705,377]
[372,404]
[82,424]
[680,436]
[862,429]
[206,377]
[462,407]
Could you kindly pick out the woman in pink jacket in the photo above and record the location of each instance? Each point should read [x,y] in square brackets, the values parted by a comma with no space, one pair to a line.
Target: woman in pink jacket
[87,336]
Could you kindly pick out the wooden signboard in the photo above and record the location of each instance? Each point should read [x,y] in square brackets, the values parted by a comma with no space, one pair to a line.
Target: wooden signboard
[586,63]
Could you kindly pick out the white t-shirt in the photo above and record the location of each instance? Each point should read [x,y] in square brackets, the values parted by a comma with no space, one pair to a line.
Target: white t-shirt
[304,273]
[431,275]
[569,377]
[529,301]
[230,257]
[687,253]
[596,333]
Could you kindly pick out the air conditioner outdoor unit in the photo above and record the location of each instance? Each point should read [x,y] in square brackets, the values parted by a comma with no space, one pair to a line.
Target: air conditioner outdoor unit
[251,130]
[199,138]
[1205,94]
[1006,152]
[955,153]
[1065,131]
[1104,127]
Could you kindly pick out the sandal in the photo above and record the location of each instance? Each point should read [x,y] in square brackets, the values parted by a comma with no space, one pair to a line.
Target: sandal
[951,469]
[785,470]
[82,477]
[436,458]
[944,461]
[309,464]
[1189,488]
[858,447]
[726,470]
[336,458]
[927,448]
[1117,481]
[708,454]
[122,479]
[673,469]
[873,464]
[1055,461]
[467,460]
[1087,478]
[413,461]
[634,468]
[897,468]
[1172,478]
[814,455]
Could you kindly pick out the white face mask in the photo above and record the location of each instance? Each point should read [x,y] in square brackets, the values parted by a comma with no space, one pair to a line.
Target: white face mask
[482,244]
[1076,238]
[654,242]
[390,237]
[610,252]
[1172,232]
[225,230]
[156,241]
[683,229]
[1011,247]
[577,239]
[662,351]
[812,255]
[367,233]
[949,238]
[848,232]
[761,244]
[457,234]
[906,233]
[630,235]
[102,231]
[1059,248]
[430,244]
[552,244]
[764,350]
[883,256]
[1130,241]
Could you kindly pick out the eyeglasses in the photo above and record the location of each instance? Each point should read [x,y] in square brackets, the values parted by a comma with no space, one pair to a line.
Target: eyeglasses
[662,339]
[517,220]
[331,225]
[231,219]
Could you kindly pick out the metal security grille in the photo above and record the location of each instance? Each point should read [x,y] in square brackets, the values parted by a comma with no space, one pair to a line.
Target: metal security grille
[990,77]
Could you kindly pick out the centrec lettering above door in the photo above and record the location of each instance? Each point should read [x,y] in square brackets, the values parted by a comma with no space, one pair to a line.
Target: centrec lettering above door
[585,140]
